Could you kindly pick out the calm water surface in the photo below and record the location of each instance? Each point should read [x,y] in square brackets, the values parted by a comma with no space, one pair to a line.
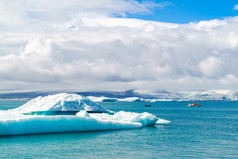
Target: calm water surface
[210,131]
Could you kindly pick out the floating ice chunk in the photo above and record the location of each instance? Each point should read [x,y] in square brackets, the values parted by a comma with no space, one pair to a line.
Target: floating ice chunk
[106,99]
[129,99]
[162,121]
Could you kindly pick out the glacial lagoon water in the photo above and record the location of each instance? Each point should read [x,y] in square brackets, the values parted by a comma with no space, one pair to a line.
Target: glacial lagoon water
[210,131]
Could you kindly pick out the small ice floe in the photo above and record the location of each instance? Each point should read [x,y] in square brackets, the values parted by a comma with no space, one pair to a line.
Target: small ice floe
[162,122]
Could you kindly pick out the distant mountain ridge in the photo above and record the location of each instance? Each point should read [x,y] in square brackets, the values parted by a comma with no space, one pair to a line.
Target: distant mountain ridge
[158,95]
[221,95]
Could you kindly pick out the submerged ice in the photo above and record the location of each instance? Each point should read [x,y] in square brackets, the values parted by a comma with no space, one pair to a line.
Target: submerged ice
[14,122]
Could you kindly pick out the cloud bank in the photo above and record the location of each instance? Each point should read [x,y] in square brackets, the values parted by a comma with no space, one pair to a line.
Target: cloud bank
[93,46]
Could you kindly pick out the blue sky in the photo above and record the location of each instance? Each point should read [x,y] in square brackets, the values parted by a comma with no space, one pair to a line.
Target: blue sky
[118,45]
[185,11]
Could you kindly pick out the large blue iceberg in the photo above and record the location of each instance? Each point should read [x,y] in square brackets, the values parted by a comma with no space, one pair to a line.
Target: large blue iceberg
[69,113]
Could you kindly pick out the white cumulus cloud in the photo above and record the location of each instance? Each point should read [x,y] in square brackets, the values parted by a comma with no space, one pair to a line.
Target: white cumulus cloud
[84,45]
[236,7]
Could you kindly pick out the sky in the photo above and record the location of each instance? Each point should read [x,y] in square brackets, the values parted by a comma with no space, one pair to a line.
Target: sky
[118,45]
[185,11]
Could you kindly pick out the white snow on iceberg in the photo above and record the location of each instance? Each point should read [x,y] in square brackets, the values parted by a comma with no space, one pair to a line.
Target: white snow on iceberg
[14,122]
[60,102]
[145,119]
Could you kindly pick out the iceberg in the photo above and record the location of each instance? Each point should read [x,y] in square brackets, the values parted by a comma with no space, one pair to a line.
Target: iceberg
[130,99]
[89,116]
[106,99]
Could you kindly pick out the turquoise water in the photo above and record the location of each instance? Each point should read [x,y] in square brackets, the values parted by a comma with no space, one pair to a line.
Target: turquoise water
[210,131]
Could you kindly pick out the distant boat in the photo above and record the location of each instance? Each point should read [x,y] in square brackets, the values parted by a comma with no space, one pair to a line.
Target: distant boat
[194,105]
[147,105]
